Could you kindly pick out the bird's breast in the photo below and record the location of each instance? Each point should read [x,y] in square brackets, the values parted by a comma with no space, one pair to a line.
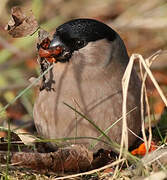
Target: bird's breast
[96,93]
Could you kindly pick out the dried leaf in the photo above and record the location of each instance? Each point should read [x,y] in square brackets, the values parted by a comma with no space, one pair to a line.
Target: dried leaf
[70,159]
[42,35]
[15,144]
[44,62]
[20,24]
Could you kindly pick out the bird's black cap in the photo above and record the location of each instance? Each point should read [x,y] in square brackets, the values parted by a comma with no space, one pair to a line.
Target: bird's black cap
[85,29]
[77,33]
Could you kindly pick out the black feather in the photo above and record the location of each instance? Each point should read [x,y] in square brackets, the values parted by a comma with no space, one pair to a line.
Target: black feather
[84,29]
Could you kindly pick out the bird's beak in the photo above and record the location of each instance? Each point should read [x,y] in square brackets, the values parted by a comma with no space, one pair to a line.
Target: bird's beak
[65,54]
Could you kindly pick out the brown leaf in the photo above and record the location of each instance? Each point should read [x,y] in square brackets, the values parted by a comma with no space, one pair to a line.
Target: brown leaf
[15,144]
[20,24]
[45,61]
[70,159]
[42,35]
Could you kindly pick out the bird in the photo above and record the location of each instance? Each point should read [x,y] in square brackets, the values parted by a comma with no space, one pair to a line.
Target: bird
[87,76]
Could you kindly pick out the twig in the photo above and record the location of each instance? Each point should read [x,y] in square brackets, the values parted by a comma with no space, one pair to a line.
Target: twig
[93,171]
[148,61]
[152,78]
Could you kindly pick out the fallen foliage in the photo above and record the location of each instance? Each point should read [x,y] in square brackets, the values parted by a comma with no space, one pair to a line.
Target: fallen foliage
[21,25]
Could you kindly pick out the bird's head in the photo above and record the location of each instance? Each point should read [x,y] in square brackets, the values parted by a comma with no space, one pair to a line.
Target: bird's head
[87,38]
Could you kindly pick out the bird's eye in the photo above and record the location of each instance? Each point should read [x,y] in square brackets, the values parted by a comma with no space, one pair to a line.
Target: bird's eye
[79,44]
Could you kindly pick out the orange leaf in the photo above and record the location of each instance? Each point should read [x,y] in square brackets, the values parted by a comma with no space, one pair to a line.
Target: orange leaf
[141,150]
[108,170]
